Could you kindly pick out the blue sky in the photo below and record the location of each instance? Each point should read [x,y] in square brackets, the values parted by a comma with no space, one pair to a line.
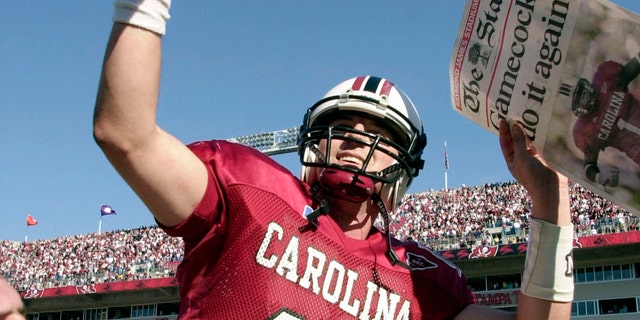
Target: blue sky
[231,68]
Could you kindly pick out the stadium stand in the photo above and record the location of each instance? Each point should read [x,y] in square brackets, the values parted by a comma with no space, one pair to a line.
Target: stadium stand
[463,217]
[123,255]
[495,214]
[459,223]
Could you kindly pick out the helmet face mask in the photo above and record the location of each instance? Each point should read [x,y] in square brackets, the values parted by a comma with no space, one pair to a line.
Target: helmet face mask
[370,98]
[319,140]
[584,100]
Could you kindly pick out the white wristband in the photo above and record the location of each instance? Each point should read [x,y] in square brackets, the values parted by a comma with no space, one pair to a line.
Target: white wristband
[548,272]
[151,15]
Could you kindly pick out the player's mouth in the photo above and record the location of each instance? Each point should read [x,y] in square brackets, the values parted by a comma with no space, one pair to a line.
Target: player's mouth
[350,161]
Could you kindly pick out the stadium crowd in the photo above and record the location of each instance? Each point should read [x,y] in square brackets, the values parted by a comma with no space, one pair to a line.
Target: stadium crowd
[141,253]
[494,214]
[449,219]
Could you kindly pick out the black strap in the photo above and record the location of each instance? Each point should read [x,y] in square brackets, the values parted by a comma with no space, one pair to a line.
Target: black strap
[391,254]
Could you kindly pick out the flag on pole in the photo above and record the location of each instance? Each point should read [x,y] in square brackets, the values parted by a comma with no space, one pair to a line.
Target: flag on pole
[31,221]
[446,157]
[106,210]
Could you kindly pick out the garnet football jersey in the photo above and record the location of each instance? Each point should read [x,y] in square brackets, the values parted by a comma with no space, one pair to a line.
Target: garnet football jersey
[616,122]
[250,254]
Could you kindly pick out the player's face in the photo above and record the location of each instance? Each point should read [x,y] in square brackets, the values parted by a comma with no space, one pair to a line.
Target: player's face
[587,100]
[353,153]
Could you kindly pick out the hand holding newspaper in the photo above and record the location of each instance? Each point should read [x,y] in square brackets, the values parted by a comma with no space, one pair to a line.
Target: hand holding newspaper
[567,71]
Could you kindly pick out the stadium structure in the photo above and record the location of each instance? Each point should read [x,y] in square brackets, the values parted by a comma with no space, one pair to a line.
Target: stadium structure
[606,268]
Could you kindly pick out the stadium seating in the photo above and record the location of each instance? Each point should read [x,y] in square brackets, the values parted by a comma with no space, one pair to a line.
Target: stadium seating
[450,219]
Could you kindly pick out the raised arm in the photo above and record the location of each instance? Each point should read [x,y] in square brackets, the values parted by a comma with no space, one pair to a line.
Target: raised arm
[547,287]
[164,173]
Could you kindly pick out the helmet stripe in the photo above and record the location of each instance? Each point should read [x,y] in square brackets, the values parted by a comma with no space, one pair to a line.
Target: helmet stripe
[372,84]
[386,88]
[358,83]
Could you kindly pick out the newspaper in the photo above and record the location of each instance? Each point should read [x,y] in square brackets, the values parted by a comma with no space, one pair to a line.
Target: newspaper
[566,71]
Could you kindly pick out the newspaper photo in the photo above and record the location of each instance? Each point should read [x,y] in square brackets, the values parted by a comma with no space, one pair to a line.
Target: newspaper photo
[567,72]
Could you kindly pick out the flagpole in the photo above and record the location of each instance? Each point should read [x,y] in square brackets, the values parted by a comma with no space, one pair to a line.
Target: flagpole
[100,225]
[446,181]
[26,235]
[446,167]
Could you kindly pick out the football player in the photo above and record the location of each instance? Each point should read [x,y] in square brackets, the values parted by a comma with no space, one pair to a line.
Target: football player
[261,243]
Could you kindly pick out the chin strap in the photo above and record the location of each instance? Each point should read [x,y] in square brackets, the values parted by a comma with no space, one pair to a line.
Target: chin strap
[312,219]
[391,255]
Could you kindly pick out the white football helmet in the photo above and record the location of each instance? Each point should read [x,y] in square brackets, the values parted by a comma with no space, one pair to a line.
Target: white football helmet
[371,97]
